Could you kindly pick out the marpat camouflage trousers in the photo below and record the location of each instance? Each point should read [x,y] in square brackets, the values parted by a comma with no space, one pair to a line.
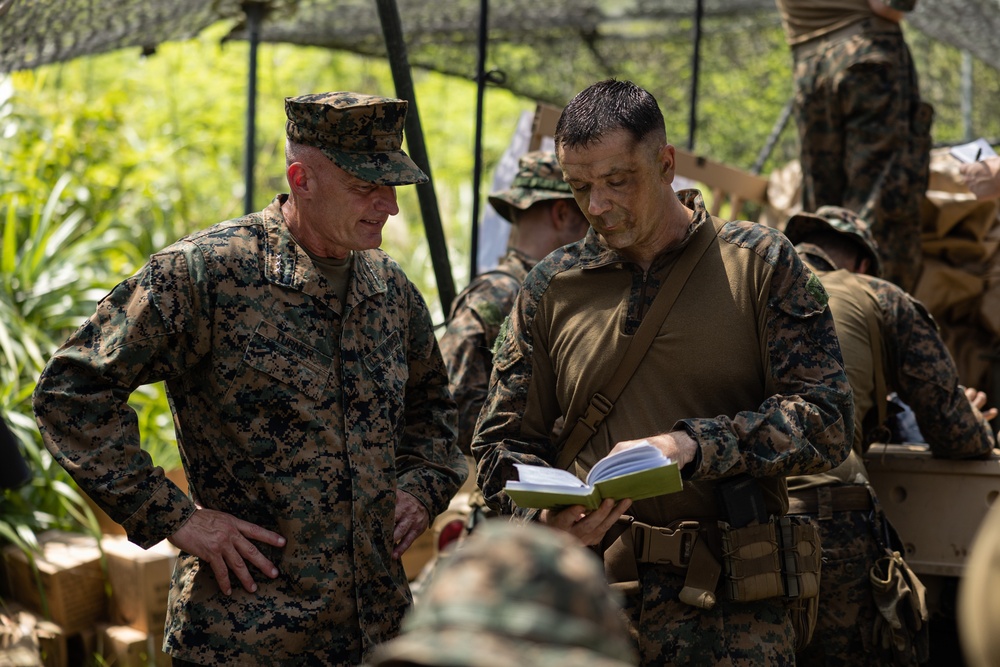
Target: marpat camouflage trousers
[846,622]
[865,140]
[731,634]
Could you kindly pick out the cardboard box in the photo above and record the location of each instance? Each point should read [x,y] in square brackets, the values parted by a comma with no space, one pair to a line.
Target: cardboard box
[53,644]
[69,589]
[140,582]
[41,643]
[128,647]
[18,643]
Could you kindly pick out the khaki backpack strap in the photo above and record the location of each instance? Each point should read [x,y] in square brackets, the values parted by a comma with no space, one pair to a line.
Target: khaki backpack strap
[603,401]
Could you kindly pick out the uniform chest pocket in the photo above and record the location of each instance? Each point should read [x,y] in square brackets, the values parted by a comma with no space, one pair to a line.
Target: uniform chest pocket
[386,364]
[291,362]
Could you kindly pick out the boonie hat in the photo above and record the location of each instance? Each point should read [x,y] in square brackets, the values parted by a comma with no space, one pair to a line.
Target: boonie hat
[539,178]
[361,134]
[841,220]
[512,595]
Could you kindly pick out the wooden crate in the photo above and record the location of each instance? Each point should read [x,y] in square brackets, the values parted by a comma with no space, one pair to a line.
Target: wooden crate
[69,575]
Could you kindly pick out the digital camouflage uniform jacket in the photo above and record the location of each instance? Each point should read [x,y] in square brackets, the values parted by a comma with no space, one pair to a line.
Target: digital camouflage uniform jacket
[473,325]
[291,412]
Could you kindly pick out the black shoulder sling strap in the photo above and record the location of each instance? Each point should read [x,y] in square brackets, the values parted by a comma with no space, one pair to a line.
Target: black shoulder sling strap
[603,401]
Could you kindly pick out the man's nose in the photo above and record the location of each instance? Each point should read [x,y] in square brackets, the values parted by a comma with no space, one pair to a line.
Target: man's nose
[599,202]
[385,200]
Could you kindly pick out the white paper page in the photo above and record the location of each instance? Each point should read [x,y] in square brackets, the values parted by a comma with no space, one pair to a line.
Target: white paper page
[547,476]
[973,151]
[640,457]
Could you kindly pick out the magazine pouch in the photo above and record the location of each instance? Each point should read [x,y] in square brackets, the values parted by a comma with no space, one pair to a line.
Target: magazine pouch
[801,558]
[777,558]
[751,559]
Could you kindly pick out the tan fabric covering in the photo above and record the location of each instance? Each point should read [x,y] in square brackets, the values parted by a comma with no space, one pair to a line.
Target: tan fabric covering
[807,19]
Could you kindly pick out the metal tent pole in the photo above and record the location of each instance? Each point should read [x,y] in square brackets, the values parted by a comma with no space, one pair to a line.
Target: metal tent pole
[695,65]
[392,30]
[772,139]
[477,171]
[966,100]
[255,13]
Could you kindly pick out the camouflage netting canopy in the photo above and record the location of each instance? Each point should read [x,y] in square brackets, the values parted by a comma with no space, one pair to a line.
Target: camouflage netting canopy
[578,42]
[550,51]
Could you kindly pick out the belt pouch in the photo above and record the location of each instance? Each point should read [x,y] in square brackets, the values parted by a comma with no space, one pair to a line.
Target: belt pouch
[751,560]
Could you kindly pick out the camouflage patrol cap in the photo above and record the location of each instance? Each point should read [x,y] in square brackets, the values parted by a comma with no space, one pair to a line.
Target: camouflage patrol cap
[839,219]
[361,134]
[539,178]
[513,595]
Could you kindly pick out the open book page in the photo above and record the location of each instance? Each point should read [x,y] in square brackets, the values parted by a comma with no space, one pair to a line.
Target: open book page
[542,477]
[974,151]
[640,457]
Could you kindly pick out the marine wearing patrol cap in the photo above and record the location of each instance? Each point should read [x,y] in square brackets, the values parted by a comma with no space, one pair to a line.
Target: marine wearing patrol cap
[841,220]
[513,595]
[539,178]
[361,134]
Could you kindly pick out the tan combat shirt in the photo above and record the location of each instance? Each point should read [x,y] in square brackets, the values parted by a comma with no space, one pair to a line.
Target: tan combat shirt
[808,19]
[747,362]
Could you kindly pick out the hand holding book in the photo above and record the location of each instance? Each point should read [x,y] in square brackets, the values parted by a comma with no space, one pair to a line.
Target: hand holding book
[637,473]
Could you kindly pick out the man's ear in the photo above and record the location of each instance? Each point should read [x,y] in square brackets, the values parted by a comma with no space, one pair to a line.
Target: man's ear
[667,160]
[559,213]
[298,179]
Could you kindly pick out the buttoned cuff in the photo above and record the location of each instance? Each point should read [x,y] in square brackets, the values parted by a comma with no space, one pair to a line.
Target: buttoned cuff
[162,515]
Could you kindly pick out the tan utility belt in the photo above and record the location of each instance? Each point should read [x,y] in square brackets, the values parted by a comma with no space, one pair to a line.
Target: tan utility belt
[780,558]
[873,25]
[823,501]
[665,546]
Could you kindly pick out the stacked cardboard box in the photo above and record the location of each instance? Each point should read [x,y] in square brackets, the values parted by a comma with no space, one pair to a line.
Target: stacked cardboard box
[74,617]
[68,588]
[140,583]
[128,647]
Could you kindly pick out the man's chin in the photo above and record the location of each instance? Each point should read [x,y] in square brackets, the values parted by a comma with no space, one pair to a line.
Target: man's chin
[615,239]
